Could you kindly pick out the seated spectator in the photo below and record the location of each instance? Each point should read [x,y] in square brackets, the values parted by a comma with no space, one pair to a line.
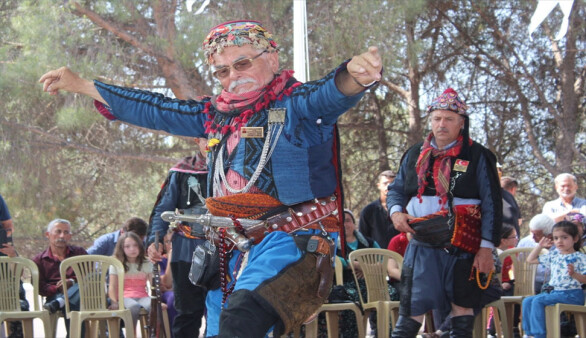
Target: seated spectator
[355,240]
[567,322]
[509,239]
[540,226]
[7,249]
[580,221]
[138,271]
[50,283]
[168,295]
[397,244]
[15,328]
[566,185]
[568,273]
[105,244]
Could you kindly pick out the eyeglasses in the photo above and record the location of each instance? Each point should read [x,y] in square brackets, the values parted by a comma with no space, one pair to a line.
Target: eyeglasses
[239,65]
[514,237]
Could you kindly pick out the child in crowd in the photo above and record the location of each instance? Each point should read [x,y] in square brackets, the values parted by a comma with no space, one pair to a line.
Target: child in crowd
[580,220]
[568,267]
[138,270]
[168,296]
[509,239]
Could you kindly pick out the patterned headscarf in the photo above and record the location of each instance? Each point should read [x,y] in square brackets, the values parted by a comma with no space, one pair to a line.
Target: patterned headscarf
[449,100]
[237,33]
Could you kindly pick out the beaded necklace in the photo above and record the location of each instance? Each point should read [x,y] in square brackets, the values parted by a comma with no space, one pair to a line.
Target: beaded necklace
[478,282]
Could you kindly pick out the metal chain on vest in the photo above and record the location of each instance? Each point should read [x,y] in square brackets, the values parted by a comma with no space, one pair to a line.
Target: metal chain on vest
[267,151]
[451,216]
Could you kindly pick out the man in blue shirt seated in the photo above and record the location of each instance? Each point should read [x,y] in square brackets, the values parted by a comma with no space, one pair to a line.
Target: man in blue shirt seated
[105,244]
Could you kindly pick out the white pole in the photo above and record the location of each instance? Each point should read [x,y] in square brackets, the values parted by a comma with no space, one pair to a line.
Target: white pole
[544,7]
[300,50]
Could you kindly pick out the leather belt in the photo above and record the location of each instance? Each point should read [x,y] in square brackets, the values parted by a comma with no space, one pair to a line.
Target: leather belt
[317,214]
[320,213]
[306,215]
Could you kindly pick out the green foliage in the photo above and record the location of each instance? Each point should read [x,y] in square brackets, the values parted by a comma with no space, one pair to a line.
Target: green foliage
[60,158]
[71,118]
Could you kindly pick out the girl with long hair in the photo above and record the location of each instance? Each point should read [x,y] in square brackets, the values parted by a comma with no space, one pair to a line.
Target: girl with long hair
[138,271]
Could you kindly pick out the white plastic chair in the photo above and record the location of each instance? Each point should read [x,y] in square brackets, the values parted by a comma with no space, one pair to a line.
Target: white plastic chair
[91,271]
[11,270]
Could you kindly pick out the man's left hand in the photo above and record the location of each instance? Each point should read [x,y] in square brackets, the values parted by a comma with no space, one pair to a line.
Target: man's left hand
[483,261]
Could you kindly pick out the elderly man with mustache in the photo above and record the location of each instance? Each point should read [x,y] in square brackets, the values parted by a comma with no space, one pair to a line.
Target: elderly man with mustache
[272,144]
[566,185]
[50,283]
[447,194]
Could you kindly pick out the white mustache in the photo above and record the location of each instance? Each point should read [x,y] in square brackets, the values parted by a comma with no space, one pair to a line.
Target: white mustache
[239,82]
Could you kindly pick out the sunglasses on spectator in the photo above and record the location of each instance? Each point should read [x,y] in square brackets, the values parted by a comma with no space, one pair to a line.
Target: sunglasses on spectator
[239,65]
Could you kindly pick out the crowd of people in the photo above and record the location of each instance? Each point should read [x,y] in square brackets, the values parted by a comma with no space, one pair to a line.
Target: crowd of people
[269,152]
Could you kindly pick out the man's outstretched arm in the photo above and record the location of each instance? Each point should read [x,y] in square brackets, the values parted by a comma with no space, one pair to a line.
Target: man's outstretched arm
[64,79]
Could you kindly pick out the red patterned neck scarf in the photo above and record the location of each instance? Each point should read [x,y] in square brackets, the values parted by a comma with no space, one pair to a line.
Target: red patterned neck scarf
[243,106]
[442,166]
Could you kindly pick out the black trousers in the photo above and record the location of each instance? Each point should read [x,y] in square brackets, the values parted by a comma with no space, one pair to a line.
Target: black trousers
[189,302]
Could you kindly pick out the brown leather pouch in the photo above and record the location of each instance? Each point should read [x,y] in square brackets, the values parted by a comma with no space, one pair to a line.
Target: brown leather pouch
[432,229]
[465,235]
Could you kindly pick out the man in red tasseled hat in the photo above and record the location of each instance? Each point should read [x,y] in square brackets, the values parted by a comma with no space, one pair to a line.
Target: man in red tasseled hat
[447,194]
[273,158]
